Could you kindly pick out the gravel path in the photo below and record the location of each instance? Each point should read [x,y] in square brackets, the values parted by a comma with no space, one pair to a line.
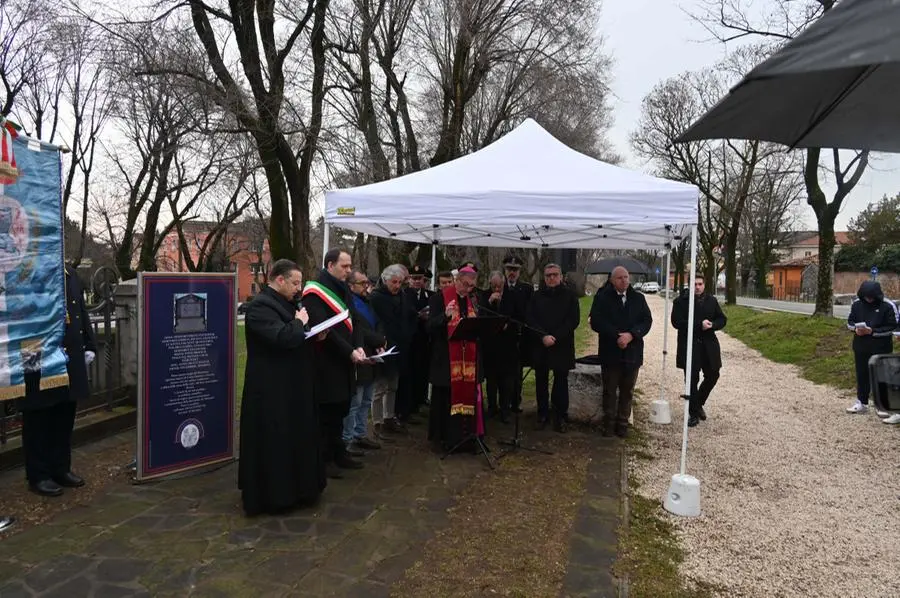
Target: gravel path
[794,502]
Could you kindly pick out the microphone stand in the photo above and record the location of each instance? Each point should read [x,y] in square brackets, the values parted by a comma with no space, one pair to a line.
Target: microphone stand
[515,443]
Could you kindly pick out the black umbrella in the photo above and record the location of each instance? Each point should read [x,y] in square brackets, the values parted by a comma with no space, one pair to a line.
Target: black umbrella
[607,265]
[836,84]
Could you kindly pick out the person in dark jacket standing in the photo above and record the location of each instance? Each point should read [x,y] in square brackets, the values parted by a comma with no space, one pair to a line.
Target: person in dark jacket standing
[873,321]
[48,416]
[622,319]
[397,315]
[336,356]
[356,434]
[707,356]
[554,311]
[281,465]
[420,344]
[518,295]
[500,352]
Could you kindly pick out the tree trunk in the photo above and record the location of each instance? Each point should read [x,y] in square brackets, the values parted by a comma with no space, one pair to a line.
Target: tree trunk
[824,291]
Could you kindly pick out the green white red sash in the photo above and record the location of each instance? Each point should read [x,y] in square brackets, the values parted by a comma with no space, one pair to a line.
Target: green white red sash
[334,303]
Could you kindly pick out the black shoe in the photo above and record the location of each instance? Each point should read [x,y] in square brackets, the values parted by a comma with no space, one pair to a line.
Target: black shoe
[541,423]
[516,409]
[693,421]
[346,462]
[701,414]
[69,480]
[46,488]
[366,443]
[354,452]
[622,431]
[332,471]
[504,417]
[560,426]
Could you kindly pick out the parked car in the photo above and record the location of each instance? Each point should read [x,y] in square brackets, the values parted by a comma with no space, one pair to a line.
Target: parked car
[637,286]
[650,287]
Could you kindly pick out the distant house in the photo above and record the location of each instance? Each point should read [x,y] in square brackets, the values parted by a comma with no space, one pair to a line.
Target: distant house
[801,244]
[787,278]
[244,249]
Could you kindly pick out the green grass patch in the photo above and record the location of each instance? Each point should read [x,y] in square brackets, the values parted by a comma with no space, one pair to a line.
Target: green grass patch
[819,346]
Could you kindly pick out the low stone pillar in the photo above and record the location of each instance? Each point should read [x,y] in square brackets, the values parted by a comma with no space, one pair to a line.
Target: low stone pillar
[127,323]
[585,394]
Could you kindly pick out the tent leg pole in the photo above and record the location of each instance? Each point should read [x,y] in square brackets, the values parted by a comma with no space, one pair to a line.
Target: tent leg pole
[683,497]
[434,274]
[688,364]
[665,288]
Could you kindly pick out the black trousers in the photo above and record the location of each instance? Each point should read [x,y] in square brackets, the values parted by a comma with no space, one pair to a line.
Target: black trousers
[559,396]
[700,390]
[501,389]
[47,441]
[331,426]
[618,392]
[863,382]
[421,359]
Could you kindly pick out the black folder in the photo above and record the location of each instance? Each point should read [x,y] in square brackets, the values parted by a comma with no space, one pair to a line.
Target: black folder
[470,329]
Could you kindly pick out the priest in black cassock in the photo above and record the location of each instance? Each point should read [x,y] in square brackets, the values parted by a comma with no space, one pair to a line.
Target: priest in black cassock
[281,466]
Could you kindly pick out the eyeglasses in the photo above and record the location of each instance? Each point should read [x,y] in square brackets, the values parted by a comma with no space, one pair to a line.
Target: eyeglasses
[552,275]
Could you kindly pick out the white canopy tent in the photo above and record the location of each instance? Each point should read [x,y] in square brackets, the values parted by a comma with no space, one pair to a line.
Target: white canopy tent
[527,190]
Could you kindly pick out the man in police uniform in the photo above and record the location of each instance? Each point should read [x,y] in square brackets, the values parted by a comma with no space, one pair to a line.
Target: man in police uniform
[48,416]
[519,296]
[420,351]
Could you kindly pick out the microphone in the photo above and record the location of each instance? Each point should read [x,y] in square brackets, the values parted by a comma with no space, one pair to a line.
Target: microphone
[299,304]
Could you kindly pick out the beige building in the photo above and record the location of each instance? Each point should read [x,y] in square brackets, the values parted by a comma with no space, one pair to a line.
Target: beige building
[802,244]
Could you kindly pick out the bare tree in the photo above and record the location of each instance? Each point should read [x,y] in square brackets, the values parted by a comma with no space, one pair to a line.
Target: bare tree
[776,192]
[74,88]
[727,20]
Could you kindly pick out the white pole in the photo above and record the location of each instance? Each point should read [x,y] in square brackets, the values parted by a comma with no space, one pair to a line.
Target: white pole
[688,364]
[325,232]
[683,497]
[434,274]
[665,286]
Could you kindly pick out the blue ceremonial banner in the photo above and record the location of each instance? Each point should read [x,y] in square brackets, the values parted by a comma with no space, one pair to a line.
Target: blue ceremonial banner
[186,383]
[32,295]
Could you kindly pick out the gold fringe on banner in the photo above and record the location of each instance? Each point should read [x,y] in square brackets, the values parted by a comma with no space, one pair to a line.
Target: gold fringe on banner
[8,393]
[54,381]
[462,410]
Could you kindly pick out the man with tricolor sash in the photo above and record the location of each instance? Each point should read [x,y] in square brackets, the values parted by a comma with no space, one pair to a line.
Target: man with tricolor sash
[336,357]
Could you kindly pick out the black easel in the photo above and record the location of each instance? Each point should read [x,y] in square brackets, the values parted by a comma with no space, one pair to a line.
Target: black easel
[516,443]
[471,329]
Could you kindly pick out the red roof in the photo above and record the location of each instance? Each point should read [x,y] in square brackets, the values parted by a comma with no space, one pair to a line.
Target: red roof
[799,262]
[842,238]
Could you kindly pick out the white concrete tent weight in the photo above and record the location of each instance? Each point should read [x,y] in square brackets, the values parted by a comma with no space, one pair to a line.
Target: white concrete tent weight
[528,190]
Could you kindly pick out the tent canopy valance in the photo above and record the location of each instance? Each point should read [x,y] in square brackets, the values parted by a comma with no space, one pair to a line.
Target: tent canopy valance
[527,189]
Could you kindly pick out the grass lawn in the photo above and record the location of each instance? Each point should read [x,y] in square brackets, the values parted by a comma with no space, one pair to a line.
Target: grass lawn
[819,346]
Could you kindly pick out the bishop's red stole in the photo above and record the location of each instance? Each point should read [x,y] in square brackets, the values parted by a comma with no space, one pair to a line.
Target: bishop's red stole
[463,356]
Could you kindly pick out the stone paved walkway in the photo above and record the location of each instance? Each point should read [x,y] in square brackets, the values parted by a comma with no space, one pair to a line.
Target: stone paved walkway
[188,537]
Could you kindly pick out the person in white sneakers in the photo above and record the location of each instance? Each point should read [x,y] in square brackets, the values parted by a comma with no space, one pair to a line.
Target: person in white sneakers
[872,320]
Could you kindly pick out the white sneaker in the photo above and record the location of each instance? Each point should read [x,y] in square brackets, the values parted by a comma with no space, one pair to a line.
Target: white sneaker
[858,408]
[894,419]
[881,414]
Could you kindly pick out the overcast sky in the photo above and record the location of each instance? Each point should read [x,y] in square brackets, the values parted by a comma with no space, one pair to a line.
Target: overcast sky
[651,40]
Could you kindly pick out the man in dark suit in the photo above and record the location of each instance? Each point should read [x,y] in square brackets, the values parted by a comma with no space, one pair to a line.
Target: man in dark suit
[48,416]
[519,296]
[336,357]
[707,356]
[621,317]
[420,350]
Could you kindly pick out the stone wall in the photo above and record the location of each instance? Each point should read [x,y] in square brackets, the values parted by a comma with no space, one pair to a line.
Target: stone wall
[847,283]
